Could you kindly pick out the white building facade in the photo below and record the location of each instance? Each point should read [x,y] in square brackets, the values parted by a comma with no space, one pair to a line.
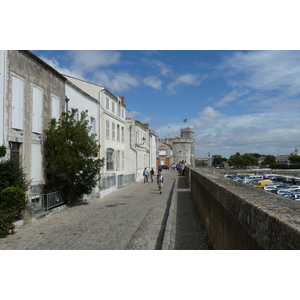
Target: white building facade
[111,128]
[140,148]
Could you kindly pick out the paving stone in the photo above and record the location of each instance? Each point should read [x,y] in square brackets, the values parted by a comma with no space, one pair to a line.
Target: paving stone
[107,223]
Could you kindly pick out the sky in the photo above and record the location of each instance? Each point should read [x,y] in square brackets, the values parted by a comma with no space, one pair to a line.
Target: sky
[236,101]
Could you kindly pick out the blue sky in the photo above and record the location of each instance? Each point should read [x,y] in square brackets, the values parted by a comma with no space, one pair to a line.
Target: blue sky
[236,101]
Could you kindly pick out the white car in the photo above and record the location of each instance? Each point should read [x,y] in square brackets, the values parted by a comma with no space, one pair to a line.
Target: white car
[296,197]
[283,192]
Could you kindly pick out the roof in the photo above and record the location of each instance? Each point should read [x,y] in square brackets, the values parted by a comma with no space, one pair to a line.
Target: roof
[84,81]
[43,63]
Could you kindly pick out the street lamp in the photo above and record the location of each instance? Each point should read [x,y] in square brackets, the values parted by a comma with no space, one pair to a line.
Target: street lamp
[67,100]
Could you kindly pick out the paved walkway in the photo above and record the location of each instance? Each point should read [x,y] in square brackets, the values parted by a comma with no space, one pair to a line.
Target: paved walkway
[132,218]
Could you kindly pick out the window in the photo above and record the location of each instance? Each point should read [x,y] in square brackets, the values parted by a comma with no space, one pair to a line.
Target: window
[118,160]
[119,109]
[113,131]
[37,115]
[107,129]
[107,103]
[123,115]
[113,107]
[123,160]
[15,151]
[122,134]
[109,159]
[55,111]
[17,87]
[118,133]
[93,125]
[36,163]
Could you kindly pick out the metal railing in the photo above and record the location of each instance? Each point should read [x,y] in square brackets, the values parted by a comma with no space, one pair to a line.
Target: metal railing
[107,181]
[45,201]
[125,179]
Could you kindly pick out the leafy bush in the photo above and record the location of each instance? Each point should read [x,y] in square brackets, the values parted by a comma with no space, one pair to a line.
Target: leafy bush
[2,151]
[12,202]
[6,223]
[71,155]
[11,174]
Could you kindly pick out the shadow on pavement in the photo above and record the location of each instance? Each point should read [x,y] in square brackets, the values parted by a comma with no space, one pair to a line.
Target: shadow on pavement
[190,231]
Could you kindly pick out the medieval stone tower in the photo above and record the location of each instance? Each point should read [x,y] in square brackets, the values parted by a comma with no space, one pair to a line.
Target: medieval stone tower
[184,147]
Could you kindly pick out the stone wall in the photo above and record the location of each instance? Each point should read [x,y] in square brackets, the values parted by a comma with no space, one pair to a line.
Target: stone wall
[238,216]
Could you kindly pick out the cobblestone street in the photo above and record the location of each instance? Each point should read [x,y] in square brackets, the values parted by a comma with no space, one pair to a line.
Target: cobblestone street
[129,218]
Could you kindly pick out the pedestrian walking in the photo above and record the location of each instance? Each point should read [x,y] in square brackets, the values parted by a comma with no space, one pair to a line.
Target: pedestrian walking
[160,182]
[152,174]
[179,170]
[145,174]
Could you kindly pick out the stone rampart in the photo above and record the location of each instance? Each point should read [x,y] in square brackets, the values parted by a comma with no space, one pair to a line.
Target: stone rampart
[238,216]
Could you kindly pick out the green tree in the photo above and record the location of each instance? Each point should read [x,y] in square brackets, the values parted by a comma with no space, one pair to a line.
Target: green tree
[241,161]
[71,155]
[269,160]
[218,161]
[12,175]
[2,151]
[294,159]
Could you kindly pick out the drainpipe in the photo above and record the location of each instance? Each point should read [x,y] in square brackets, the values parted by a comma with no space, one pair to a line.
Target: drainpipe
[136,160]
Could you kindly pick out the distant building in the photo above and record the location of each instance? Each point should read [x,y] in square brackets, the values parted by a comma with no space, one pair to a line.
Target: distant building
[183,147]
[164,154]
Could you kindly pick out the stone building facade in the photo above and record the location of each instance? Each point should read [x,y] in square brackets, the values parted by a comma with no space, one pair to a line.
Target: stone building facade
[183,147]
[34,93]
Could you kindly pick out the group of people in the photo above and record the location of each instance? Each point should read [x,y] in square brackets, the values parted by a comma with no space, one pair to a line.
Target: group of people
[159,178]
[180,168]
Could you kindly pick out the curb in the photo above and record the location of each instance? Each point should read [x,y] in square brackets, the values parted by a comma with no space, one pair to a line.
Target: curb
[166,245]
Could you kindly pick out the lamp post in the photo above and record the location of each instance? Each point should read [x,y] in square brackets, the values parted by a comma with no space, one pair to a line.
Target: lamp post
[67,100]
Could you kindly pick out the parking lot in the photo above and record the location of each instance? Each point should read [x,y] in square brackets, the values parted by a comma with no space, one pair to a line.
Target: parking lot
[287,187]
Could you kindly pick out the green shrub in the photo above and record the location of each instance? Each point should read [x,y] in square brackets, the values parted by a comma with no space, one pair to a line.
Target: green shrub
[11,174]
[12,199]
[71,155]
[2,151]
[12,202]
[6,223]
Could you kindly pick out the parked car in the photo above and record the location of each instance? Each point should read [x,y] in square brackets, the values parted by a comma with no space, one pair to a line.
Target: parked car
[296,197]
[262,183]
[282,192]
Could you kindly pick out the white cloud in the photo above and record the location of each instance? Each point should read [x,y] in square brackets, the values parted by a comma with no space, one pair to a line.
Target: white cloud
[265,70]
[265,133]
[116,81]
[87,60]
[131,114]
[185,79]
[232,96]
[210,115]
[164,69]
[153,82]
[55,64]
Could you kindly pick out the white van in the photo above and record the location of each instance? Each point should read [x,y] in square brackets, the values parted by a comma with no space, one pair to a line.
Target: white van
[256,177]
[253,177]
